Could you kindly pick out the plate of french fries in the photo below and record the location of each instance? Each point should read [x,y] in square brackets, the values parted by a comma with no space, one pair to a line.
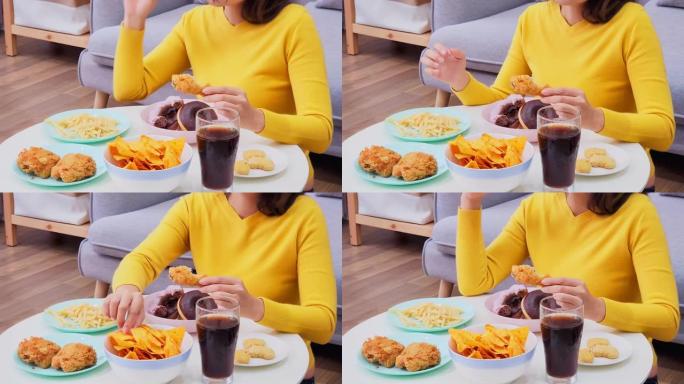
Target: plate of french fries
[79,316]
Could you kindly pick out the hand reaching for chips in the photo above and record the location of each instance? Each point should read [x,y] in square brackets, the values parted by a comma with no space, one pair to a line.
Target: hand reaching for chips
[146,154]
[487,152]
[493,343]
[147,343]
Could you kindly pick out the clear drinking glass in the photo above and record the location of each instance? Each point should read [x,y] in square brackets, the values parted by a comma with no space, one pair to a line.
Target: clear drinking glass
[217,331]
[562,321]
[558,130]
[218,134]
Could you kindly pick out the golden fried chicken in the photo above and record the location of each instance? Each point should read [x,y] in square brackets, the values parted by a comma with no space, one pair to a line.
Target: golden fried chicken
[183,275]
[525,85]
[74,357]
[381,350]
[37,351]
[186,83]
[378,160]
[74,167]
[415,166]
[419,356]
[37,161]
[527,275]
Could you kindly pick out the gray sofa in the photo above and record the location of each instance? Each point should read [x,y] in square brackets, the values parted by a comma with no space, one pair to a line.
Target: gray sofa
[112,235]
[96,62]
[439,250]
[483,29]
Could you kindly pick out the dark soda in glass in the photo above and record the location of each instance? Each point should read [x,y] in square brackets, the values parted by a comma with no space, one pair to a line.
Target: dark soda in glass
[558,144]
[217,147]
[562,335]
[217,334]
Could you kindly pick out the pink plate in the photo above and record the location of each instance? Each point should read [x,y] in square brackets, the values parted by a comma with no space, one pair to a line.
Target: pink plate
[151,112]
[534,325]
[492,110]
[152,300]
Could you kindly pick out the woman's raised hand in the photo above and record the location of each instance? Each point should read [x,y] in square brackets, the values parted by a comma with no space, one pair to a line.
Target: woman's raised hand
[126,306]
[235,98]
[594,307]
[471,200]
[136,12]
[592,118]
[231,289]
[446,64]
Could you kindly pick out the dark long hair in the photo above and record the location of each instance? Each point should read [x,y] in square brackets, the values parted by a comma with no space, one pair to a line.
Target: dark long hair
[607,203]
[601,11]
[262,11]
[276,204]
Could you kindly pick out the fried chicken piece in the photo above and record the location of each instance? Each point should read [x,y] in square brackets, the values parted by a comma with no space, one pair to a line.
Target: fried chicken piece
[37,161]
[74,167]
[37,351]
[525,85]
[186,83]
[381,350]
[418,357]
[378,160]
[527,275]
[415,166]
[183,275]
[74,357]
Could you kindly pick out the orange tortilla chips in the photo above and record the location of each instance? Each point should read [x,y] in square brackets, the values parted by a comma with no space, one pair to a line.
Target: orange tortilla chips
[147,343]
[487,152]
[494,343]
[146,154]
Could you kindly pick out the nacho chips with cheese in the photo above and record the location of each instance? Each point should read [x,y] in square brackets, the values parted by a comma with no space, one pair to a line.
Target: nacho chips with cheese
[493,343]
[146,154]
[147,343]
[487,152]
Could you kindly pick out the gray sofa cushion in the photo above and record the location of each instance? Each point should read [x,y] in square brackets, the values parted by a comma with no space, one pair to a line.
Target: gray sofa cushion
[671,212]
[332,4]
[671,3]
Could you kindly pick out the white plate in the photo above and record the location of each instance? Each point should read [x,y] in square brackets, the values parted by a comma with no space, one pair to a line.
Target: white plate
[278,157]
[622,345]
[279,347]
[621,159]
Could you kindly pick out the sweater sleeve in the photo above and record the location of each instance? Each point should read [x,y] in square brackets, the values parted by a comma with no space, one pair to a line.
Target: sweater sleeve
[316,315]
[311,127]
[164,244]
[135,76]
[653,124]
[477,93]
[480,268]
[657,315]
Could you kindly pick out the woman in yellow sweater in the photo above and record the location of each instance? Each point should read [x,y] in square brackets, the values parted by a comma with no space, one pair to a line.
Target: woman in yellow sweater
[261,57]
[268,251]
[602,57]
[608,249]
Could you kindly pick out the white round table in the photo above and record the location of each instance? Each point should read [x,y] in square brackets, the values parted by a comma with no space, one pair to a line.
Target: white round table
[632,371]
[292,179]
[289,371]
[632,179]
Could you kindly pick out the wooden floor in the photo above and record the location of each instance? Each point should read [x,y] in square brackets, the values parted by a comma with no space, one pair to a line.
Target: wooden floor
[42,270]
[387,269]
[42,80]
[383,79]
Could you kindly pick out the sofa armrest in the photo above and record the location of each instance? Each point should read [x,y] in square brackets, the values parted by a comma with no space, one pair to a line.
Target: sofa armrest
[449,12]
[109,204]
[106,13]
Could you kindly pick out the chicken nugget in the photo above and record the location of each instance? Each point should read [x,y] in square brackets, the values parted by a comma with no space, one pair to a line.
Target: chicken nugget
[607,351]
[186,84]
[589,152]
[74,167]
[74,357]
[597,341]
[526,86]
[602,161]
[583,166]
[242,356]
[242,167]
[263,163]
[381,350]
[37,161]
[415,166]
[254,341]
[183,275]
[378,160]
[527,275]
[250,153]
[585,356]
[418,357]
[37,351]
[261,352]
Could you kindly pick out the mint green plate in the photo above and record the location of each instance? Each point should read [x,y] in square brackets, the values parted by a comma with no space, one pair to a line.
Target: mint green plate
[441,342]
[468,312]
[62,339]
[123,124]
[436,151]
[393,129]
[62,149]
[54,323]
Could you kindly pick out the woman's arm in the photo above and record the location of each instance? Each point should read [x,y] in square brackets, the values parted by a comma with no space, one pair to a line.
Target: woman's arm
[311,127]
[316,315]
[162,246]
[653,124]
[480,268]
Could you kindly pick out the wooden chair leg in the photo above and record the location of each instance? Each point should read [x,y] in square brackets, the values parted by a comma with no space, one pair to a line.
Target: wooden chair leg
[101,100]
[442,99]
[352,211]
[445,288]
[101,289]
[8,21]
[349,20]
[8,211]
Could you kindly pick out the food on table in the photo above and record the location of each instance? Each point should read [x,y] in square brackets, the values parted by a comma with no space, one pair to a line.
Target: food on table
[520,114]
[186,83]
[530,303]
[418,357]
[37,161]
[493,343]
[74,357]
[597,341]
[586,356]
[381,350]
[518,303]
[147,343]
[263,163]
[430,315]
[589,152]
[188,112]
[167,118]
[183,275]
[525,85]
[261,352]
[527,115]
[598,347]
[84,316]
[242,356]
[85,126]
[602,161]
[595,158]
[426,124]
[415,166]
[73,167]
[254,342]
[487,152]
[187,302]
[379,160]
[179,305]
[37,351]
[583,166]
[607,351]
[527,275]
[146,153]
[253,159]
[253,153]
[242,167]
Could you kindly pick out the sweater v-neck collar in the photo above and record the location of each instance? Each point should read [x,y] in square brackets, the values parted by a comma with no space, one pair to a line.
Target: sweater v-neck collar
[234,214]
[564,25]
[586,215]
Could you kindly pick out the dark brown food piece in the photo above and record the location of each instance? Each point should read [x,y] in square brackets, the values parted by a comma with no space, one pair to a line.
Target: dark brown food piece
[528,113]
[186,114]
[187,302]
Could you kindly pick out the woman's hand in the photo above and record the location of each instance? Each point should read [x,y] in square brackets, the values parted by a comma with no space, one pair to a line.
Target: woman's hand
[594,308]
[446,64]
[471,200]
[231,288]
[235,98]
[592,118]
[126,306]
[136,12]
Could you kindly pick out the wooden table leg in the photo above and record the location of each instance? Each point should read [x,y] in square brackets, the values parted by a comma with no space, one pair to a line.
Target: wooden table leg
[445,288]
[352,211]
[101,100]
[349,20]
[8,211]
[8,21]
[442,99]
[101,289]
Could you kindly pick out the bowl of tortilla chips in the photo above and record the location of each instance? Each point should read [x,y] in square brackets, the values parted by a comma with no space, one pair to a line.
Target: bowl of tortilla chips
[491,353]
[489,162]
[148,162]
[151,354]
